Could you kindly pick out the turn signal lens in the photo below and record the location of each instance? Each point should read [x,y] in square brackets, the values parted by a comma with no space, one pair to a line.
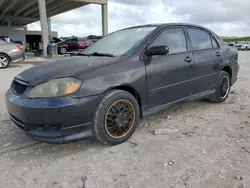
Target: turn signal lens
[71,88]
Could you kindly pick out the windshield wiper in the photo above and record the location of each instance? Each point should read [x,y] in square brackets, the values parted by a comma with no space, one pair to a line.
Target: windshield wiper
[100,54]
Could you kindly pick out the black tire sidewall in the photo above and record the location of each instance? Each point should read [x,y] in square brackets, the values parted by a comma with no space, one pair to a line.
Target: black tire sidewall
[61,50]
[8,61]
[218,96]
[98,130]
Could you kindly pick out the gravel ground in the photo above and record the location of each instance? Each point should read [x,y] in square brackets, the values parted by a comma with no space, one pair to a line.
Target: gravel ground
[198,145]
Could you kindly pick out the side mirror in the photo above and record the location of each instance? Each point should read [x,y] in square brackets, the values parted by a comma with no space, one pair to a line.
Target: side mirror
[158,50]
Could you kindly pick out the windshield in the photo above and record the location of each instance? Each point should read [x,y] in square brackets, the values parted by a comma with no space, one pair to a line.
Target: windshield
[119,43]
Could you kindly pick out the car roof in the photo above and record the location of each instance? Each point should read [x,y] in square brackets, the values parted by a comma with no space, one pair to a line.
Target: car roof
[166,24]
[3,42]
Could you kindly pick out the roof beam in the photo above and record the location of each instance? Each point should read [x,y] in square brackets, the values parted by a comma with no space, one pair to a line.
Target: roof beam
[35,9]
[103,2]
[18,18]
[27,5]
[61,10]
[8,8]
[23,22]
[1,2]
[57,6]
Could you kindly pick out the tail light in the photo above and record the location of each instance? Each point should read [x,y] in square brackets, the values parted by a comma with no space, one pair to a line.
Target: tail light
[20,47]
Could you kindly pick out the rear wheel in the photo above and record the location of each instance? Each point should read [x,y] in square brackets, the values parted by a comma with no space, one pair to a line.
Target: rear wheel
[116,117]
[4,61]
[222,87]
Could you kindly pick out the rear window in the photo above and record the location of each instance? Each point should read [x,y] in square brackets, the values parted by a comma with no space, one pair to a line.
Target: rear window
[82,39]
[200,39]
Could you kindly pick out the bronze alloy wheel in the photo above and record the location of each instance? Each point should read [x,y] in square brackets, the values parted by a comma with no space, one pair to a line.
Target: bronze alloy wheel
[224,87]
[119,118]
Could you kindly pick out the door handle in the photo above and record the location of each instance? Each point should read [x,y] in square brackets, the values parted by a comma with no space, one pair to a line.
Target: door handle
[188,59]
[218,54]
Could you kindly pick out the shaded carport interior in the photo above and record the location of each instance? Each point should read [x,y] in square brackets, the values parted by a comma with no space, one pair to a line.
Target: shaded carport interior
[20,13]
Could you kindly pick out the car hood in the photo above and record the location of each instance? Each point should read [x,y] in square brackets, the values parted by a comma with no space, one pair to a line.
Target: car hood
[65,67]
[56,39]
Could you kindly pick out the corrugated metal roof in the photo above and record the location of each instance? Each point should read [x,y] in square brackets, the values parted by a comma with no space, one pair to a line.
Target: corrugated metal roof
[23,12]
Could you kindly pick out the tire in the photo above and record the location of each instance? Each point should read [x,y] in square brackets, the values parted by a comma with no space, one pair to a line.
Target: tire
[4,61]
[103,120]
[220,95]
[62,50]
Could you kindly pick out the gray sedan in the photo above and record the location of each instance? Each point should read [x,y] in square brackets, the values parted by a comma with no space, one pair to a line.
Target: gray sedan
[10,53]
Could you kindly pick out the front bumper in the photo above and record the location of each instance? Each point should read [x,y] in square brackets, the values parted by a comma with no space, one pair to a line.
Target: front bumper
[54,120]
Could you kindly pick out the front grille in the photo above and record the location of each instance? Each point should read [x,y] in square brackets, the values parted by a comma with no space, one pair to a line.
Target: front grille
[38,127]
[18,122]
[18,88]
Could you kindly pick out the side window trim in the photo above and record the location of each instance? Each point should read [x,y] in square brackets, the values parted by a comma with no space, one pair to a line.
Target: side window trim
[213,38]
[188,41]
[165,29]
[198,28]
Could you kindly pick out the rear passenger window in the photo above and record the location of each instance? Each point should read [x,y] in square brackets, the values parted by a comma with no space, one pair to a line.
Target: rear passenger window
[82,39]
[200,39]
[174,39]
[215,44]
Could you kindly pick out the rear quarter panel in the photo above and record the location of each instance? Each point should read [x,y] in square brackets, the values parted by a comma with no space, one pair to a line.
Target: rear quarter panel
[11,51]
[230,58]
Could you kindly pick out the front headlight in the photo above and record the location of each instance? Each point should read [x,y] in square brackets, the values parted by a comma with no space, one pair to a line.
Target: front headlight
[56,88]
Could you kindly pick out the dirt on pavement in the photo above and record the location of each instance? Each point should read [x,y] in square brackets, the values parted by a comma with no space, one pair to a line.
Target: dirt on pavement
[194,145]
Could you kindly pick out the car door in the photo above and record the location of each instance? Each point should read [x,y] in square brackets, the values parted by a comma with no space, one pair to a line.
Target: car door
[170,77]
[72,44]
[207,59]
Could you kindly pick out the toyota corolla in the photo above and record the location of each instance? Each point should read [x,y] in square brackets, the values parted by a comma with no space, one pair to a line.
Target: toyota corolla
[105,90]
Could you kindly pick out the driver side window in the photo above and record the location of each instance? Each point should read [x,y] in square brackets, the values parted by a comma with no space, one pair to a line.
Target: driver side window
[73,40]
[174,38]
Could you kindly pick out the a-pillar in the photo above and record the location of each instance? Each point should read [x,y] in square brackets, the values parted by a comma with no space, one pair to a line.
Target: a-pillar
[44,25]
[104,19]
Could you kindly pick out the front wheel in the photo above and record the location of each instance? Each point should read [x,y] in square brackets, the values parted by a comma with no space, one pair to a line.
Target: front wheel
[63,50]
[116,117]
[222,87]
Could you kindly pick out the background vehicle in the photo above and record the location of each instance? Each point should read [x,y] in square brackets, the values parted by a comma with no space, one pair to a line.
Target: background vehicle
[125,76]
[245,46]
[74,43]
[239,45]
[94,38]
[232,43]
[9,53]
[55,40]
[8,39]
